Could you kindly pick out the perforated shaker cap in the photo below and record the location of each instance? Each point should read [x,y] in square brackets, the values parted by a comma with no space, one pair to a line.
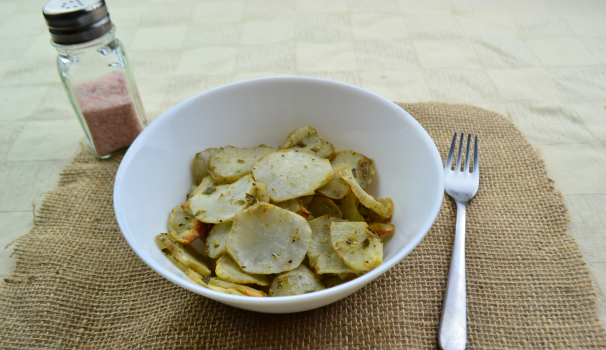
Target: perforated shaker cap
[76,21]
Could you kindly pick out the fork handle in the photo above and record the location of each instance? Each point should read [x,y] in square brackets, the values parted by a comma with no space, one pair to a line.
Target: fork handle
[453,324]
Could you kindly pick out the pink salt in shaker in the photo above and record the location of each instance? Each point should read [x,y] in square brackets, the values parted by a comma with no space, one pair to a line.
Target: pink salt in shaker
[96,73]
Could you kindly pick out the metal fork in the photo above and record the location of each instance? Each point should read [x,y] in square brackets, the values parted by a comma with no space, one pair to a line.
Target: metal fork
[461,186]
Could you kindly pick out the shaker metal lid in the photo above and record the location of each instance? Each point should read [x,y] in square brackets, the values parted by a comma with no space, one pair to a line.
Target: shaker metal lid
[76,21]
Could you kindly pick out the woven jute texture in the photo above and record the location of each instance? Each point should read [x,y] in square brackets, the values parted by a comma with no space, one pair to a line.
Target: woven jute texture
[77,284]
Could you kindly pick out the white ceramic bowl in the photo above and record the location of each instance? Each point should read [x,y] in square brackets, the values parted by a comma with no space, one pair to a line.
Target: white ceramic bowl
[155,174]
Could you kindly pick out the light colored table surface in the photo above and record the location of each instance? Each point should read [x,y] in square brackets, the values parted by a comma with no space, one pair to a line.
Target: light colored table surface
[541,63]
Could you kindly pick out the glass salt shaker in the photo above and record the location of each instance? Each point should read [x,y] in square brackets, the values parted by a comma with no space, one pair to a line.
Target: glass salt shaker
[96,73]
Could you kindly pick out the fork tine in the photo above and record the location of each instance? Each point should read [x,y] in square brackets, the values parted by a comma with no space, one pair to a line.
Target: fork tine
[467,154]
[458,167]
[450,152]
[476,158]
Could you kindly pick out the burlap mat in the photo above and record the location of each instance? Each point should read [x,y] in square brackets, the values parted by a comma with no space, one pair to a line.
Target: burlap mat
[78,285]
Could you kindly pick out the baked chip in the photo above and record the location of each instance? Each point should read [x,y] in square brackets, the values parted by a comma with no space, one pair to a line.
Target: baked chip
[358,247]
[336,188]
[216,204]
[383,207]
[309,143]
[298,281]
[298,135]
[206,183]
[382,229]
[332,280]
[185,256]
[202,164]
[198,279]
[327,149]
[364,167]
[231,163]
[194,276]
[349,208]
[363,171]
[225,290]
[322,256]
[305,200]
[192,188]
[295,205]
[320,206]
[268,239]
[374,217]
[215,243]
[184,227]
[251,292]
[289,174]
[305,139]
[228,270]
[262,193]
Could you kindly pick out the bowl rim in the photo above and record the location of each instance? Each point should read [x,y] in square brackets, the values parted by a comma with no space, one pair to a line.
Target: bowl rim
[326,294]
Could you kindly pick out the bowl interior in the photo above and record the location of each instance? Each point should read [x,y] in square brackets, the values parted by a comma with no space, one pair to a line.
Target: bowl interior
[155,174]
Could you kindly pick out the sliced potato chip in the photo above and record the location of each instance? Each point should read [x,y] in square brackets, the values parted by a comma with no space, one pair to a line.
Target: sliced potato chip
[309,143]
[191,190]
[322,256]
[382,229]
[374,217]
[363,170]
[327,149]
[234,291]
[358,247]
[187,257]
[215,243]
[290,174]
[305,200]
[199,247]
[331,280]
[363,167]
[251,292]
[202,164]
[206,183]
[298,281]
[363,210]
[388,204]
[262,193]
[196,277]
[220,203]
[295,205]
[268,239]
[345,276]
[349,208]
[299,134]
[336,188]
[383,207]
[228,270]
[231,163]
[225,290]
[170,256]
[184,227]
[320,206]
[305,139]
